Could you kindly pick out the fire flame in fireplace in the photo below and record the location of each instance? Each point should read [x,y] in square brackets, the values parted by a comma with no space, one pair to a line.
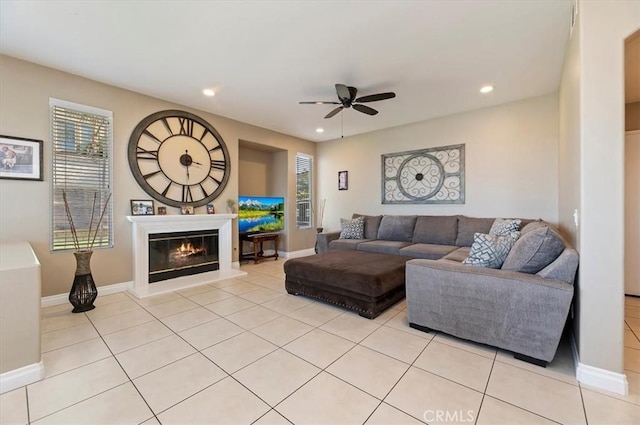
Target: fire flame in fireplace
[187,249]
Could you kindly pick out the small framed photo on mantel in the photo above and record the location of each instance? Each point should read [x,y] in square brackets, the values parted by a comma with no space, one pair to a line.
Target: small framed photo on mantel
[343,180]
[186,210]
[142,207]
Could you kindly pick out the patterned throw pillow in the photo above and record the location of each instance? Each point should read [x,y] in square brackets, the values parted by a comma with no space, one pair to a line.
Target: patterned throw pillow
[490,250]
[504,226]
[352,229]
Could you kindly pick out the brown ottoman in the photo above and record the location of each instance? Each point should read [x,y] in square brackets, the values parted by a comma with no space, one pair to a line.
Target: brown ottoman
[366,282]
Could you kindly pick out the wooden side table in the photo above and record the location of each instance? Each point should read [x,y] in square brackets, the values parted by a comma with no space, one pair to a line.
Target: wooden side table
[257,241]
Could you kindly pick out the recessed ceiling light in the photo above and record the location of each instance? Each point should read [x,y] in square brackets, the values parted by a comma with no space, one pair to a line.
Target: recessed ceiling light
[208,92]
[486,89]
[319,130]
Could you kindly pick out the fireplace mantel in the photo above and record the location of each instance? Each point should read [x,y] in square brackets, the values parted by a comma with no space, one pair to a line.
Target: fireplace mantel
[143,225]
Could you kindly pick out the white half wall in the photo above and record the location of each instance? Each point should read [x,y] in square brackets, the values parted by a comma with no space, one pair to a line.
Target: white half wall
[511,163]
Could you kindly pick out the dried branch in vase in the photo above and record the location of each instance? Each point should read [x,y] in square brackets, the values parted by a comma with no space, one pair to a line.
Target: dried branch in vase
[74,233]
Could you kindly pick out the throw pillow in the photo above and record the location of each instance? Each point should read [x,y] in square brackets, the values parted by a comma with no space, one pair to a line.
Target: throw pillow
[352,229]
[397,228]
[490,250]
[371,225]
[535,250]
[504,226]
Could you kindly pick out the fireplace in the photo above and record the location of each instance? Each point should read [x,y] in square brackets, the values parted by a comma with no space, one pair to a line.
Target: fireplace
[203,258]
[179,254]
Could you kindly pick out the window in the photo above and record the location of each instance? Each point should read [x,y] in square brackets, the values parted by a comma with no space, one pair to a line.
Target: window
[304,168]
[81,140]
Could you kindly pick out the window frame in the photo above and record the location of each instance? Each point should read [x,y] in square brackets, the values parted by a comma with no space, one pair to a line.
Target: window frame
[106,147]
[299,224]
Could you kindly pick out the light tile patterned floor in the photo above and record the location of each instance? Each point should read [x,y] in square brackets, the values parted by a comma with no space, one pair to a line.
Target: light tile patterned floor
[243,351]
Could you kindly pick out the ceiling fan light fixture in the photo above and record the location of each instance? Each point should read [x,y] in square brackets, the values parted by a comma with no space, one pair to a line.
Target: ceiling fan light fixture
[319,130]
[486,89]
[208,92]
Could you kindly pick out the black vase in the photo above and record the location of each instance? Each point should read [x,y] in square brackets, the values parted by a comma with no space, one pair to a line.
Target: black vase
[83,292]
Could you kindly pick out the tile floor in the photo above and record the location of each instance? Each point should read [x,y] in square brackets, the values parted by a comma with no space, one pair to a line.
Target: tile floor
[242,351]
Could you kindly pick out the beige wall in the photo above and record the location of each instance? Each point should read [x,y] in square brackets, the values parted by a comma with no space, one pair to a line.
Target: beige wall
[602,27]
[632,116]
[25,206]
[254,172]
[569,153]
[511,163]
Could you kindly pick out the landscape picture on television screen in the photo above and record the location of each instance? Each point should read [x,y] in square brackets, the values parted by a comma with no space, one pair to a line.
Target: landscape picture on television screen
[260,214]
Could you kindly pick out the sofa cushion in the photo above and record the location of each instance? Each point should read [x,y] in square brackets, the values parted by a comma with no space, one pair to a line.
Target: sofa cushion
[458,255]
[469,226]
[504,226]
[428,251]
[371,225]
[438,230]
[490,250]
[397,228]
[537,247]
[345,244]
[352,229]
[383,247]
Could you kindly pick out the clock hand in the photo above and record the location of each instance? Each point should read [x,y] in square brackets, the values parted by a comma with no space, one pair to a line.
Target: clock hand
[196,162]
[186,160]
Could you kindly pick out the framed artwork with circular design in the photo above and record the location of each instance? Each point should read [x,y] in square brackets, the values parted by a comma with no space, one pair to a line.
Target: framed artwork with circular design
[425,176]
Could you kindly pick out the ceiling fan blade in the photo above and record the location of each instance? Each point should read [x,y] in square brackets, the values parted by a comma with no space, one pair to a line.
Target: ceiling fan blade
[353,92]
[344,94]
[335,111]
[376,97]
[365,109]
[319,102]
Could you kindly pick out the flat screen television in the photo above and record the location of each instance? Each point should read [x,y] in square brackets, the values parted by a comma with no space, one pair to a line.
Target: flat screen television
[260,214]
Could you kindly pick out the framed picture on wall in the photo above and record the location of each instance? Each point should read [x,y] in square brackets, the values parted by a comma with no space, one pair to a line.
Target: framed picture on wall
[142,207]
[20,159]
[343,180]
[186,210]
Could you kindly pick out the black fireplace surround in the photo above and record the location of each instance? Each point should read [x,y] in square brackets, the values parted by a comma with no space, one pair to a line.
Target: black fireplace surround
[178,254]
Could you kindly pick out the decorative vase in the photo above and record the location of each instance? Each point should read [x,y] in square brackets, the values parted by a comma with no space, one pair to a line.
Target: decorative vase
[318,230]
[83,292]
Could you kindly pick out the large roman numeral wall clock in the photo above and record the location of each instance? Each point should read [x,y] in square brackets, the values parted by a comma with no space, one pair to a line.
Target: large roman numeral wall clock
[178,158]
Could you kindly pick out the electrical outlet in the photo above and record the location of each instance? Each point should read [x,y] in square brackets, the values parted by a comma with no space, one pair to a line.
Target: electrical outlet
[576,219]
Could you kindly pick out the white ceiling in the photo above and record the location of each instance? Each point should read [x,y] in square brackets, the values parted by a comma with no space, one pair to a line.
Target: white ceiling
[262,57]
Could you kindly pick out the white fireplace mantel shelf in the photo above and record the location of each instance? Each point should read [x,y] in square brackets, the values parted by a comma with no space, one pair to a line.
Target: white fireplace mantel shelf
[143,225]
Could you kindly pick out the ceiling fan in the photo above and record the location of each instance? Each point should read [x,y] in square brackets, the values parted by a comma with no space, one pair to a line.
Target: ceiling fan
[347,99]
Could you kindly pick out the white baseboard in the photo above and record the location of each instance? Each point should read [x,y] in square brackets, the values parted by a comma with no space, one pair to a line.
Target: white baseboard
[286,254]
[102,290]
[602,379]
[599,378]
[300,253]
[20,377]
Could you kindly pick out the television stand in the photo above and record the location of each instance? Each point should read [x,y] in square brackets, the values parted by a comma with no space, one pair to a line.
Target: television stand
[257,240]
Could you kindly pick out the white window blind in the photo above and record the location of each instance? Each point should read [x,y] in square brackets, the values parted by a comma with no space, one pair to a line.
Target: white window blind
[304,168]
[81,140]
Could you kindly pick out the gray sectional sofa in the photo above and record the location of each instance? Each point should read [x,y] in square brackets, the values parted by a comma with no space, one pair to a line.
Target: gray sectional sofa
[521,307]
